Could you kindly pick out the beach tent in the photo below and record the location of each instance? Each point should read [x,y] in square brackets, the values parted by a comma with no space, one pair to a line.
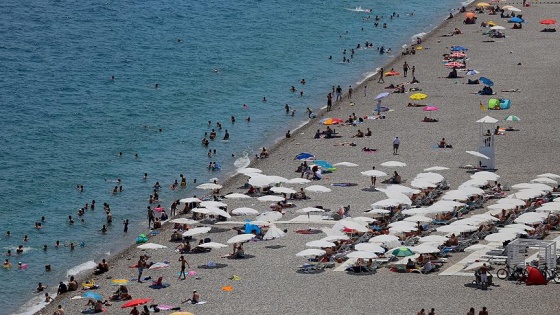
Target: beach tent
[494,103]
[505,103]
[535,277]
[326,166]
[305,156]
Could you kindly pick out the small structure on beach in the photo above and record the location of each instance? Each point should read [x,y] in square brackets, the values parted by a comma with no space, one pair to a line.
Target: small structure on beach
[487,158]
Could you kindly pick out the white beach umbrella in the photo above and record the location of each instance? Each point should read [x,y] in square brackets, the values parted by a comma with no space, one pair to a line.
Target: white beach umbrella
[237,196]
[158,265]
[378,211]
[444,206]
[473,182]
[332,232]
[501,237]
[395,195]
[534,186]
[487,120]
[525,194]
[336,238]
[366,219]
[349,164]
[196,231]
[544,180]
[416,211]
[259,223]
[430,177]
[400,188]
[310,209]
[219,212]
[475,247]
[361,254]
[549,206]
[213,245]
[402,223]
[320,244]
[468,221]
[298,180]
[270,198]
[513,9]
[370,247]
[401,229]
[273,233]
[519,227]
[422,184]
[283,190]
[497,28]
[270,216]
[549,175]
[190,200]
[380,239]
[184,221]
[424,249]
[485,175]
[208,186]
[393,164]
[386,203]
[278,179]
[478,154]
[433,239]
[311,252]
[485,217]
[248,170]
[502,206]
[201,210]
[418,218]
[456,228]
[517,202]
[245,211]
[210,204]
[151,246]
[352,225]
[261,181]
[375,173]
[241,238]
[436,168]
[318,188]
[455,195]
[531,218]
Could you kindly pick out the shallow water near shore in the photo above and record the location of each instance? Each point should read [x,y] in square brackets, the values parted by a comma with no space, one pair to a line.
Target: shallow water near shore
[64,120]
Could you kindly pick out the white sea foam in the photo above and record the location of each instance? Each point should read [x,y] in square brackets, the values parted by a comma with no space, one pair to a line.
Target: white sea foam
[88,265]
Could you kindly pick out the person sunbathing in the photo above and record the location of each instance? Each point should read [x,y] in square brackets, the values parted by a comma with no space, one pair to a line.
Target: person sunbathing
[443,144]
[428,119]
[366,149]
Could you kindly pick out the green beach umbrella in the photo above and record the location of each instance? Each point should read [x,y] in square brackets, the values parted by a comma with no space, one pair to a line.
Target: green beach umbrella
[402,252]
[512,118]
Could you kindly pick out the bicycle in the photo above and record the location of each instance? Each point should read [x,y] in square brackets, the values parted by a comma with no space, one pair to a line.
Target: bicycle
[551,274]
[511,273]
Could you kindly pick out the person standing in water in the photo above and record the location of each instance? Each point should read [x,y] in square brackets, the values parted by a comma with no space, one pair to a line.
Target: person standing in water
[125,223]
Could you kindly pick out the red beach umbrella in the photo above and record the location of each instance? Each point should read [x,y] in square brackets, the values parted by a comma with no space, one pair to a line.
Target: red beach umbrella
[135,302]
[458,55]
[548,22]
[454,64]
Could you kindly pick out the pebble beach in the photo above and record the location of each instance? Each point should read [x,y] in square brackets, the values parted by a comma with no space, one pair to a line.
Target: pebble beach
[268,282]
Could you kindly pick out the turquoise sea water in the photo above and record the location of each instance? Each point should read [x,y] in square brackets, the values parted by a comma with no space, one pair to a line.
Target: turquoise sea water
[63,120]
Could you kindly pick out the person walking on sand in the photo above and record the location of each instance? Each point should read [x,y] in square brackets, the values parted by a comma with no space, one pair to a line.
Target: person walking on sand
[471,311]
[338,93]
[396,144]
[413,70]
[381,80]
[140,266]
[405,68]
[350,90]
[329,102]
[365,90]
[184,263]
[151,216]
[483,311]
[373,178]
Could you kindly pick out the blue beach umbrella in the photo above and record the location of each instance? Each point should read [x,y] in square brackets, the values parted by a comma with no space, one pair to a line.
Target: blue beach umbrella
[325,165]
[486,81]
[516,20]
[305,156]
[459,48]
[381,96]
[93,295]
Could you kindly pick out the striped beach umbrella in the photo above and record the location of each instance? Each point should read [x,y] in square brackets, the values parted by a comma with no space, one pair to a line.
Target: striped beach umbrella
[512,118]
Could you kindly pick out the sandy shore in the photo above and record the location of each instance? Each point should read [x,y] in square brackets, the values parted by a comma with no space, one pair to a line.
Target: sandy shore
[269,283]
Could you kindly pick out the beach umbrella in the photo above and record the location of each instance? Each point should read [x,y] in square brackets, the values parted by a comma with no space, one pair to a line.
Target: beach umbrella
[544,180]
[213,245]
[379,239]
[497,28]
[209,204]
[261,181]
[196,231]
[318,188]
[418,218]
[374,173]
[311,252]
[430,177]
[482,5]
[457,228]
[320,244]
[237,196]
[458,55]
[332,121]
[184,221]
[430,108]
[270,216]
[241,238]
[444,206]
[361,254]
[209,186]
[92,295]
[219,212]
[436,168]
[283,190]
[304,156]
[487,120]
[151,246]
[135,302]
[474,182]
[297,180]
[501,236]
[386,203]
[400,189]
[470,15]
[332,232]
[459,48]
[378,211]
[393,164]
[512,118]
[201,210]
[401,229]
[549,175]
[516,20]
[381,96]
[513,9]
[364,219]
[351,225]
[396,195]
[349,164]
[454,64]
[472,72]
[517,202]
[485,80]
[548,22]
[475,247]
[485,175]
[418,96]
[391,73]
[549,207]
[433,239]
[497,208]
[478,154]
[190,200]
[336,238]
[531,218]
[158,265]
[309,209]
[422,184]
[249,170]
[406,224]
[245,211]
[485,217]
[425,249]
[402,252]
[525,194]
[273,233]
[519,227]
[534,186]
[370,247]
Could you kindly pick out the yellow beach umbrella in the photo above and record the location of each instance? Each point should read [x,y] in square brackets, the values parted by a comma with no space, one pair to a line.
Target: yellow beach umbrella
[418,96]
[482,4]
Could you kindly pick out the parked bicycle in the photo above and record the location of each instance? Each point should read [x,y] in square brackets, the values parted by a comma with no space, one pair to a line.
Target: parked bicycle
[511,273]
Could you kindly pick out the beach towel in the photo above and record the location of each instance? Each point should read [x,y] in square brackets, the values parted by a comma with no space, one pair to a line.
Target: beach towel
[344,184]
